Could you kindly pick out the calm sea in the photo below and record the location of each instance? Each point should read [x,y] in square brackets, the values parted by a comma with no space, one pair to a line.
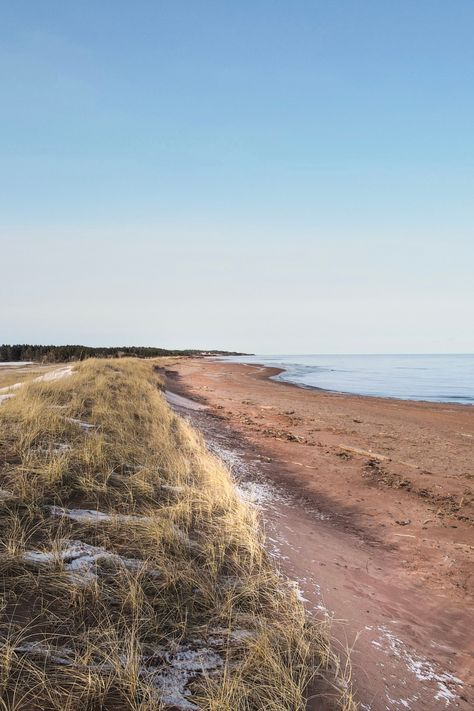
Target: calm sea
[436,378]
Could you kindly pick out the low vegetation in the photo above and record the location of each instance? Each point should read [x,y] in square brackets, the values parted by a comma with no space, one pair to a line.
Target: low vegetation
[59,354]
[132,576]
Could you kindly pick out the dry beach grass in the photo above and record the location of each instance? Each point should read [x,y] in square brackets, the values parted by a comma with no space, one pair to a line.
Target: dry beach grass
[132,576]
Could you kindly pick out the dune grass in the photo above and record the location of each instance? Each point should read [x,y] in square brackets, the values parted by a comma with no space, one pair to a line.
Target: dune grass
[132,576]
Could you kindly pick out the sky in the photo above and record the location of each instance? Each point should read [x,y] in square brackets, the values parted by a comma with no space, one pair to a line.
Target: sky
[259,175]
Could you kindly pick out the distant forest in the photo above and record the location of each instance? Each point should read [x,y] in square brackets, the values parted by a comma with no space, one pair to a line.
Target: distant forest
[60,354]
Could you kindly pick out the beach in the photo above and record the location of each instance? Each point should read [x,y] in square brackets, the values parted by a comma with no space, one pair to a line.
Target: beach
[368,505]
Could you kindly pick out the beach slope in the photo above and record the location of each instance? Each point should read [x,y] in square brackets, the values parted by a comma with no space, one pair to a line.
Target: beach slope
[368,504]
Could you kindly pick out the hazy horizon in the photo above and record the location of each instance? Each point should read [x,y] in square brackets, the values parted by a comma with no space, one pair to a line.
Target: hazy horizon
[270,178]
[248,353]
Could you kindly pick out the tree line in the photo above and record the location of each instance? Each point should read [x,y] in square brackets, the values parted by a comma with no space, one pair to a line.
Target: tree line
[59,354]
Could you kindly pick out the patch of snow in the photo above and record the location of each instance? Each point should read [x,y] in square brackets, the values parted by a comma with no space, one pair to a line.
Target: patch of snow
[229,456]
[39,650]
[423,669]
[295,586]
[9,363]
[81,560]
[15,386]
[80,515]
[170,681]
[403,703]
[6,397]
[195,660]
[173,489]
[171,686]
[55,374]
[83,425]
[224,636]
[179,401]
[256,493]
[56,448]
[184,666]
[92,516]
[322,608]
[50,376]
[320,515]
[250,485]
[445,694]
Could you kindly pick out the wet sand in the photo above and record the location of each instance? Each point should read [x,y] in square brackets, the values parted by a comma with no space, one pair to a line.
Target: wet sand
[368,505]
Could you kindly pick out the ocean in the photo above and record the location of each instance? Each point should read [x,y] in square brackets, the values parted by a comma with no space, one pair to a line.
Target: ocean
[434,378]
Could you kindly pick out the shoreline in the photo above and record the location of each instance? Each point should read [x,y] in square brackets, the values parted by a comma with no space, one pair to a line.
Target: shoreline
[344,393]
[374,523]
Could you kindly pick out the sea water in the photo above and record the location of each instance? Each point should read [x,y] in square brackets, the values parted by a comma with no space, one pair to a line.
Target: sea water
[435,378]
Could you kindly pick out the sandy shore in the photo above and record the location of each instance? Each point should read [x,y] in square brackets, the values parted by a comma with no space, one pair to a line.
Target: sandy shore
[369,506]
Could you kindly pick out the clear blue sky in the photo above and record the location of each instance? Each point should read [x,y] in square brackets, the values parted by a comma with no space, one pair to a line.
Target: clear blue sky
[269,176]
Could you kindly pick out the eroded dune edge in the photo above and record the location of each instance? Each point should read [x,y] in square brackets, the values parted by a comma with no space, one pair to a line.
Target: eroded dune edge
[133,576]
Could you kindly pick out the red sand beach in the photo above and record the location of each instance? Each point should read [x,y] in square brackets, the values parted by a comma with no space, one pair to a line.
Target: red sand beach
[368,505]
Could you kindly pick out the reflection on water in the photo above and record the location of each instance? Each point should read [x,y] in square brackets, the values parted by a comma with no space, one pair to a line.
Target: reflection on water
[436,378]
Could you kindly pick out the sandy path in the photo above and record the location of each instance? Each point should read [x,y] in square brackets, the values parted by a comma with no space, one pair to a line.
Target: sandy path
[384,544]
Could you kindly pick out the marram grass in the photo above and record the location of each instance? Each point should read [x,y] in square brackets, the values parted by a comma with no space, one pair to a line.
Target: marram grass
[132,576]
